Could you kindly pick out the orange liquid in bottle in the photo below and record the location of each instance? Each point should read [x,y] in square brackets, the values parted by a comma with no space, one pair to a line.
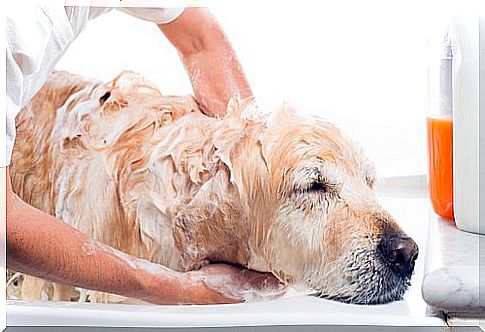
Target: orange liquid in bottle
[440,163]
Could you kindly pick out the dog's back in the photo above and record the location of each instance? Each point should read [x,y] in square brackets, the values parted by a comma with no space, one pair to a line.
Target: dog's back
[78,139]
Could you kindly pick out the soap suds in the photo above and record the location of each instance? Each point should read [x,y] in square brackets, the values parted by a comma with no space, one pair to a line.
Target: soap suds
[90,247]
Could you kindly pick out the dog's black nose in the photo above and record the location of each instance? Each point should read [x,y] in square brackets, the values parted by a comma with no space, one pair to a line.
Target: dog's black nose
[400,251]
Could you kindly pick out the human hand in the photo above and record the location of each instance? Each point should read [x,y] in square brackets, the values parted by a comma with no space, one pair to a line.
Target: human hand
[221,283]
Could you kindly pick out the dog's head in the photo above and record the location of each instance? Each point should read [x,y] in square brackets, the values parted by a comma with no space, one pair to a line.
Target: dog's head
[314,215]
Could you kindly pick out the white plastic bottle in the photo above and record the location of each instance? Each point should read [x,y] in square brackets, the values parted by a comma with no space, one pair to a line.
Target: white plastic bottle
[468,39]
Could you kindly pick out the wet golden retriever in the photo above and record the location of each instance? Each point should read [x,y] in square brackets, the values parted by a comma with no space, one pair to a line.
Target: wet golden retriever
[154,177]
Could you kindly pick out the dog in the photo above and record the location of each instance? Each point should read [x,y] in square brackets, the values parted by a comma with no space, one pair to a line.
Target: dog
[155,177]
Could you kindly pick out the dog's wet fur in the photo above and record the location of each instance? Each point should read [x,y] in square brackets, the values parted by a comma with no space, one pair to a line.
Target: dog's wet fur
[154,177]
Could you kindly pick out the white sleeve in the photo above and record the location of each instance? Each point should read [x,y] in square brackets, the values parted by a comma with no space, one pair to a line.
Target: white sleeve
[36,37]
[14,97]
[155,15]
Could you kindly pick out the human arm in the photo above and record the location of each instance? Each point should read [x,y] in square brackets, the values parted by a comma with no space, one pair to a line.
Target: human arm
[41,245]
[209,59]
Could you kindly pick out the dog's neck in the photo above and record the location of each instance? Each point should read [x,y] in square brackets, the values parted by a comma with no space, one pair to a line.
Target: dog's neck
[222,219]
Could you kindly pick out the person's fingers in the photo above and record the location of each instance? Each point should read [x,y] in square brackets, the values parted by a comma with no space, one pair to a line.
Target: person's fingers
[241,284]
[260,286]
[263,282]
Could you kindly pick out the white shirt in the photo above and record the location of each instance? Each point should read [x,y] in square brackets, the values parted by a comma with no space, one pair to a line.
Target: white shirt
[37,37]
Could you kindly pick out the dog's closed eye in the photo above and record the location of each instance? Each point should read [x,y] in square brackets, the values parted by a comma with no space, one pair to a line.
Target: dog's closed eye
[311,180]
[321,186]
[318,186]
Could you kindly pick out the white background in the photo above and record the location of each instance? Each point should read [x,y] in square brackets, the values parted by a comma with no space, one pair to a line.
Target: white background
[359,64]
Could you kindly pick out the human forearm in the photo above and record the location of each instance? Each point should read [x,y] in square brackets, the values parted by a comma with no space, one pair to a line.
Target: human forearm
[41,245]
[216,77]
[209,59]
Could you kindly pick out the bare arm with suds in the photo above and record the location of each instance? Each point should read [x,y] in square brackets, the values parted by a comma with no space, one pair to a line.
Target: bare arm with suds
[209,59]
[43,246]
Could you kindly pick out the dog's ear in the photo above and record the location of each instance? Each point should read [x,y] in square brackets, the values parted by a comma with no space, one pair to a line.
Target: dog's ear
[213,226]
